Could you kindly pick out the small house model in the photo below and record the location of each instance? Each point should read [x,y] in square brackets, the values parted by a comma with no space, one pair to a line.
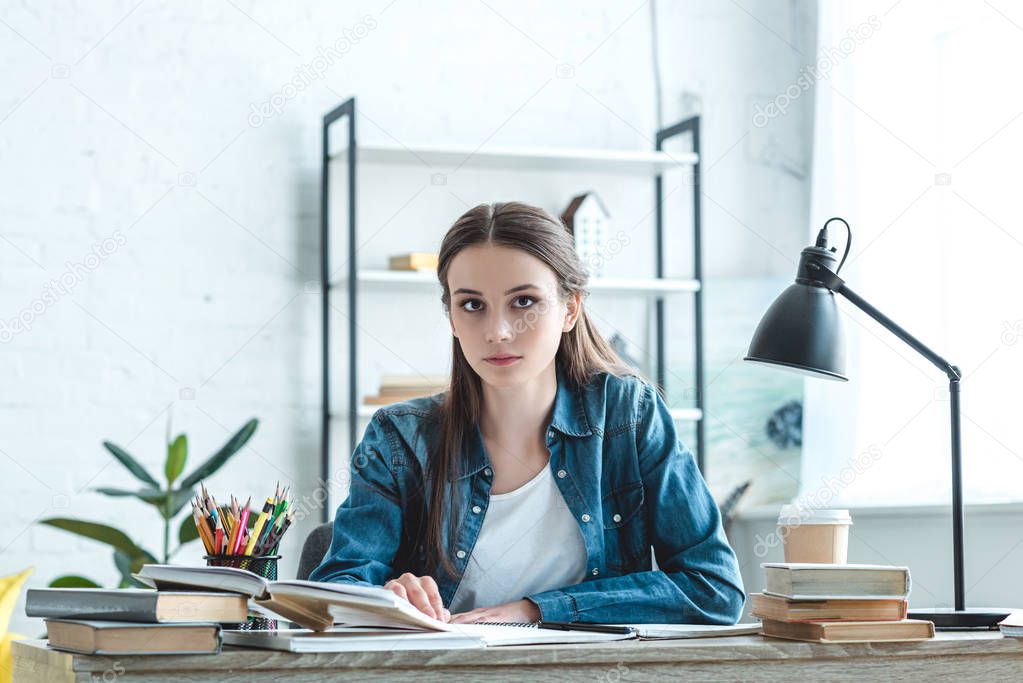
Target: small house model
[589,222]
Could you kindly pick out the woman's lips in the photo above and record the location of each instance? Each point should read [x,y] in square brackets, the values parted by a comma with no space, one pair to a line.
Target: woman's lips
[508,360]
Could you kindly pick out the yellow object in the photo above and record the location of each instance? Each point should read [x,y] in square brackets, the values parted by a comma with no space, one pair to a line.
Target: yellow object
[260,521]
[416,260]
[10,589]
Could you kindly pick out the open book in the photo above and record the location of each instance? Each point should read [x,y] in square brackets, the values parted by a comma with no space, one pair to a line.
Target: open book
[314,605]
[319,606]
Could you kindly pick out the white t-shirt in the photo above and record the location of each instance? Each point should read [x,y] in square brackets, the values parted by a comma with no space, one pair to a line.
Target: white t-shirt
[529,542]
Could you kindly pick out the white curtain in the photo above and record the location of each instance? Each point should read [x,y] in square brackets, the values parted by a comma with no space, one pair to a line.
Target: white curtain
[917,143]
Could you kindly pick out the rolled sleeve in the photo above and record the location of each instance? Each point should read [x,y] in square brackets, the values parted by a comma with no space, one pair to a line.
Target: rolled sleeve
[555,605]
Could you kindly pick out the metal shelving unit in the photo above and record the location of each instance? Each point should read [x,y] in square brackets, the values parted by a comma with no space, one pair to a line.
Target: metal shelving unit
[653,163]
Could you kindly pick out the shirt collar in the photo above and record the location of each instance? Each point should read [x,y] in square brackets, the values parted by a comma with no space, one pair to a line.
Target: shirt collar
[569,417]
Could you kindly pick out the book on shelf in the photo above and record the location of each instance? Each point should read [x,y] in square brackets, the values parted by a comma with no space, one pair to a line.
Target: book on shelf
[850,631]
[400,383]
[135,605]
[842,609]
[115,638]
[807,581]
[320,606]
[382,399]
[416,260]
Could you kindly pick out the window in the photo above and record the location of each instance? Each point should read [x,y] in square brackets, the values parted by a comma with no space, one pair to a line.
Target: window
[919,129]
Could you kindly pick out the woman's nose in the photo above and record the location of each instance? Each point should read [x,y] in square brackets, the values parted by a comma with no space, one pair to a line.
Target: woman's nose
[499,330]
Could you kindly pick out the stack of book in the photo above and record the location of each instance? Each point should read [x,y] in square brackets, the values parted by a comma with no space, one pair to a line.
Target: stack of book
[395,388]
[831,603]
[132,621]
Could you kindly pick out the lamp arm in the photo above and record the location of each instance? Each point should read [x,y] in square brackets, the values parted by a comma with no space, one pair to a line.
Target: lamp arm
[836,284]
[821,275]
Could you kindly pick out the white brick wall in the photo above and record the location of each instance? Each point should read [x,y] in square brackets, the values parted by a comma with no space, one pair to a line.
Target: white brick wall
[109,113]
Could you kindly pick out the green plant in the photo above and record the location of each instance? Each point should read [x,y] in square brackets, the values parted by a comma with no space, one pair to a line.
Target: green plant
[168,501]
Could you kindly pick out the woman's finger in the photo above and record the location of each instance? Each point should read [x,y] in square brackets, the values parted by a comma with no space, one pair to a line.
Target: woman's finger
[397,589]
[418,597]
[433,592]
[467,617]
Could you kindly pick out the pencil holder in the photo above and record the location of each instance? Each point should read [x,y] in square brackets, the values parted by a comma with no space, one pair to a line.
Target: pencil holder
[261,565]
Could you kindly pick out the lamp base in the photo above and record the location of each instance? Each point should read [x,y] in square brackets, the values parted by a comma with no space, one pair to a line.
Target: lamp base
[971,617]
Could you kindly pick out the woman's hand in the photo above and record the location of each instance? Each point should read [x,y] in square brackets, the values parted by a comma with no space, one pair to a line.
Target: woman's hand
[422,592]
[518,611]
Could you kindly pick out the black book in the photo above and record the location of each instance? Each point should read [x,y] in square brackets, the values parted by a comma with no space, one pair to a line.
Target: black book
[136,605]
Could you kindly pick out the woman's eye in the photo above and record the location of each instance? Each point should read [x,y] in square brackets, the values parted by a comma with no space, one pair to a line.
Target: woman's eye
[529,301]
[466,305]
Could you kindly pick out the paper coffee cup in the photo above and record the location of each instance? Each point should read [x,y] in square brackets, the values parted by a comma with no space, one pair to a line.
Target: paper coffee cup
[819,536]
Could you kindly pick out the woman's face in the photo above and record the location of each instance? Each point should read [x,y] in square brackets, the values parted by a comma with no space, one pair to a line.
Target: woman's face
[505,302]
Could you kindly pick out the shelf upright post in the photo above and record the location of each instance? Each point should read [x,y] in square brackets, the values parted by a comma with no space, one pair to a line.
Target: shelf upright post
[345,109]
[691,126]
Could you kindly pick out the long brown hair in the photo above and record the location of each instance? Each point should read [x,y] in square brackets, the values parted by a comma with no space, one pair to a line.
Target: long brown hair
[582,353]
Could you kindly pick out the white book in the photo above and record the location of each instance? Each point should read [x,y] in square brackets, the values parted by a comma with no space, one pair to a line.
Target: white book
[369,639]
[350,639]
[810,581]
[314,605]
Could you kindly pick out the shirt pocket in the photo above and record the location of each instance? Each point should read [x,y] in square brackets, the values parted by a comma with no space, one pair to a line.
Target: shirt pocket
[625,537]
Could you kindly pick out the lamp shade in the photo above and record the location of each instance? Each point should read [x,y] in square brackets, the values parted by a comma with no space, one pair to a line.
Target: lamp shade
[802,332]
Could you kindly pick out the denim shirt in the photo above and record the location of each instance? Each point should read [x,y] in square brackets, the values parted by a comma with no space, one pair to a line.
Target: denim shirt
[628,481]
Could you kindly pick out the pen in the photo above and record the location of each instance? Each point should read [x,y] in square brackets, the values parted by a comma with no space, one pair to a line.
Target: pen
[578,626]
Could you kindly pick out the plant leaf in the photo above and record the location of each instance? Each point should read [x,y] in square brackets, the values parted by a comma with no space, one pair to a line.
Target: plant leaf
[188,532]
[131,463]
[217,460]
[97,532]
[127,564]
[73,581]
[148,495]
[179,499]
[154,497]
[177,453]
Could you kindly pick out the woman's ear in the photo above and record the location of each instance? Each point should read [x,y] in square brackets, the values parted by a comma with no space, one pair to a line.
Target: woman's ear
[575,307]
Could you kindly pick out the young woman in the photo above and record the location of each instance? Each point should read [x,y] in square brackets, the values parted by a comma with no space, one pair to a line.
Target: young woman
[536,485]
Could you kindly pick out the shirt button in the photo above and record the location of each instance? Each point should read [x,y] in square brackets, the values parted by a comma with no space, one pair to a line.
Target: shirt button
[550,434]
[595,571]
[585,517]
[476,509]
[488,471]
[617,518]
[562,474]
[461,555]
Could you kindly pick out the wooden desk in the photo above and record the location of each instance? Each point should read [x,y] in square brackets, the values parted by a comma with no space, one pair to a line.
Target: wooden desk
[952,655]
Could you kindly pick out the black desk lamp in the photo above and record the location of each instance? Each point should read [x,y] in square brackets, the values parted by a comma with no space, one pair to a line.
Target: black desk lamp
[802,332]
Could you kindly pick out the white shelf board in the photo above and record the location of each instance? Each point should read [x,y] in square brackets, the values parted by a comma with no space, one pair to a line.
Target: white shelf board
[680,414]
[611,285]
[447,159]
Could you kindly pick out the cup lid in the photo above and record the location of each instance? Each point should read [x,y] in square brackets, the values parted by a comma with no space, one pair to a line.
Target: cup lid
[798,514]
